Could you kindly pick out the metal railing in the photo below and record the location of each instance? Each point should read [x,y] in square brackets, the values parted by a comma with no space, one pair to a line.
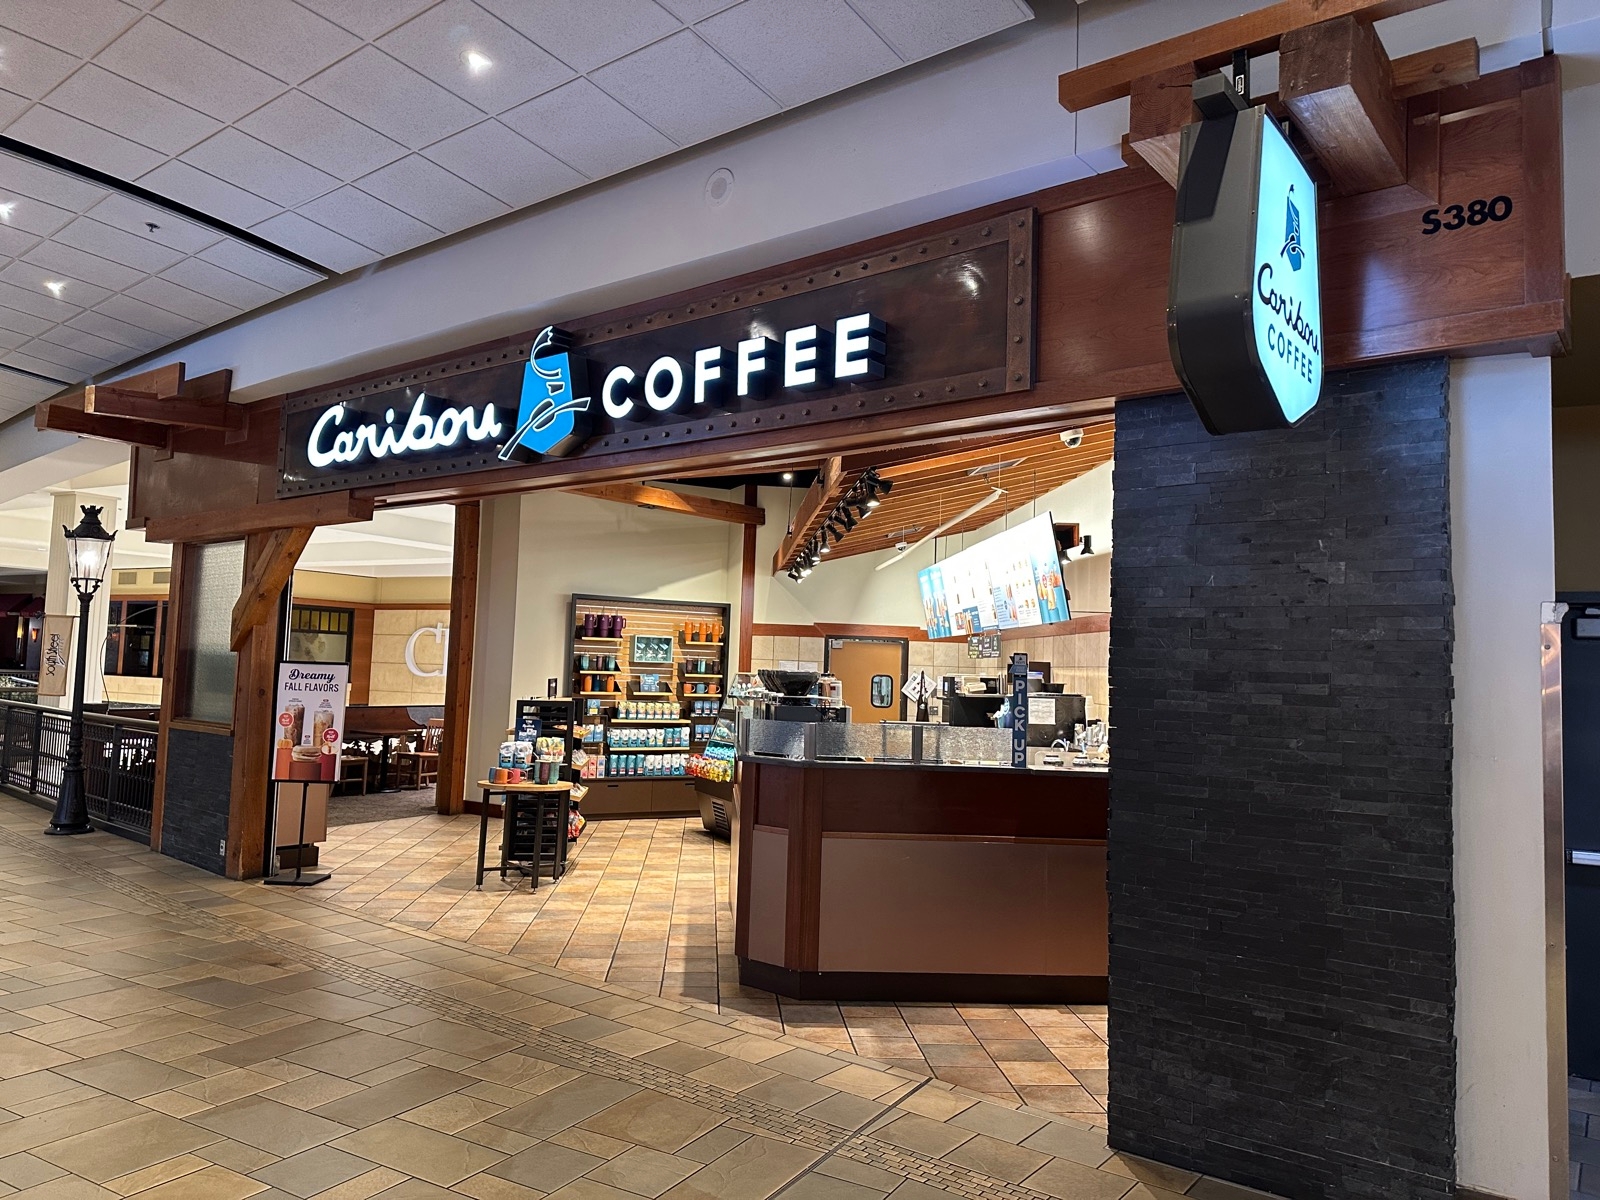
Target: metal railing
[19,687]
[119,762]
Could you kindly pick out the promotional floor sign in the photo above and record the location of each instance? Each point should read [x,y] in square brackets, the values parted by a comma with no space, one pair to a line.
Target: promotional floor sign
[308,721]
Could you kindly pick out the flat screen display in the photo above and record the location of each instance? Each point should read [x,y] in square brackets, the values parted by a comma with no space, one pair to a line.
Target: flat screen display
[1009,581]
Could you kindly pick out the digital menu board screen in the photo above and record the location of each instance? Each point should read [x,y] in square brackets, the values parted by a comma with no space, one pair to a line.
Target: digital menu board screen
[1009,581]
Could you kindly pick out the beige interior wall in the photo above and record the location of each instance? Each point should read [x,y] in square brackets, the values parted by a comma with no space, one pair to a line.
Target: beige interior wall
[1576,443]
[393,681]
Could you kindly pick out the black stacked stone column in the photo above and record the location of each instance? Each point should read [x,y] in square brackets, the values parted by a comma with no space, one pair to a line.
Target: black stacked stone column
[1282,928]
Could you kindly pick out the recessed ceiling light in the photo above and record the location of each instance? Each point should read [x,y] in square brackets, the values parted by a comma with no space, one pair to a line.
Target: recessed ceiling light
[55,287]
[5,210]
[477,63]
[788,476]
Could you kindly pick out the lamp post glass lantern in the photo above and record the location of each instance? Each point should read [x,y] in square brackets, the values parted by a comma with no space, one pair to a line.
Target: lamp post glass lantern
[88,554]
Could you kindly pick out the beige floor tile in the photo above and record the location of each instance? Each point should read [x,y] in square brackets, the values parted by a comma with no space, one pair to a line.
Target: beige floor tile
[212,1183]
[653,1120]
[439,1158]
[313,1171]
[752,1170]
[267,1125]
[125,1146]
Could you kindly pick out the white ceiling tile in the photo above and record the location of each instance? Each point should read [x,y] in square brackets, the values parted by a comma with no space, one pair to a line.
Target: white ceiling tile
[586,33]
[82,142]
[22,322]
[28,215]
[322,136]
[259,168]
[87,343]
[37,301]
[79,27]
[282,38]
[179,181]
[385,94]
[163,293]
[130,110]
[246,260]
[310,240]
[136,217]
[799,52]
[437,43]
[118,245]
[60,259]
[29,178]
[368,18]
[690,11]
[917,29]
[147,316]
[427,191]
[31,68]
[74,292]
[587,129]
[113,330]
[689,91]
[218,284]
[14,242]
[10,340]
[504,164]
[368,220]
[169,61]
[71,365]
[12,106]
[26,361]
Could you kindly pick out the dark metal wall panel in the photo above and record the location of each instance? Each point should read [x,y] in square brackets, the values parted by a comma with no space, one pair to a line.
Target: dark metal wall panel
[1282,925]
[194,819]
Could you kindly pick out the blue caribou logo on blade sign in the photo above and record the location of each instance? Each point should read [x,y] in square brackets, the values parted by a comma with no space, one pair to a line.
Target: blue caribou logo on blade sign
[1292,249]
[551,417]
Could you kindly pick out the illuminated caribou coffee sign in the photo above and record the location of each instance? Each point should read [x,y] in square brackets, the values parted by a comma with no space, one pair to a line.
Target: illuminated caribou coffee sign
[924,324]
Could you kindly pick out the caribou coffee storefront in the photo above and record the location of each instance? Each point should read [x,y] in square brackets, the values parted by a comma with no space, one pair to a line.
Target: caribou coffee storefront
[1294,631]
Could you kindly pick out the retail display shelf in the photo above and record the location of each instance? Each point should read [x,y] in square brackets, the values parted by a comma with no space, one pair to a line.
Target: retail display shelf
[647,721]
[607,641]
[608,695]
[702,645]
[642,778]
[661,694]
[693,675]
[584,671]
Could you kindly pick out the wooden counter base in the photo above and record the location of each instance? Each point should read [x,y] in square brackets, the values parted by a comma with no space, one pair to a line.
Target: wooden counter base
[868,881]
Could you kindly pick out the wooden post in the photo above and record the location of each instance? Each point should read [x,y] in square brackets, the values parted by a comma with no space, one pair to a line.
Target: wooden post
[450,786]
[1159,106]
[173,672]
[253,693]
[1335,78]
[747,585]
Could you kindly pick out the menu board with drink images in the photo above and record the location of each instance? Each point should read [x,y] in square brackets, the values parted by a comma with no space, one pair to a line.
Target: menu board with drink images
[1009,581]
[308,721]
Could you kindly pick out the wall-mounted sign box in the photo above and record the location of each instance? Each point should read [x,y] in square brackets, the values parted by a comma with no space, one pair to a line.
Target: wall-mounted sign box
[928,322]
[1244,315]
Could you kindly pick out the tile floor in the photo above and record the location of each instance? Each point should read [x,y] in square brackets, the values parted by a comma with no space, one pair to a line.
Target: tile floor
[174,1036]
[1583,1131]
[644,903]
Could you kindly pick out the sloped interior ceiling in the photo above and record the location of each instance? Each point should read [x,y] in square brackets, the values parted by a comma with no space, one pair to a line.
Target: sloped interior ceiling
[345,131]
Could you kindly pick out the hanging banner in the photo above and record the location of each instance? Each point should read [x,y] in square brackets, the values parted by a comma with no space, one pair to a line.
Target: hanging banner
[308,721]
[55,655]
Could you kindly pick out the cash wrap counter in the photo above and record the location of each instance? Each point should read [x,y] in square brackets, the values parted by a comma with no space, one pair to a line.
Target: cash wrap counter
[901,862]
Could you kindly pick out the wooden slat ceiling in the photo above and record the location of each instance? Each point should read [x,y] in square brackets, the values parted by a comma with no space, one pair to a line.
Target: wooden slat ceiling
[931,490]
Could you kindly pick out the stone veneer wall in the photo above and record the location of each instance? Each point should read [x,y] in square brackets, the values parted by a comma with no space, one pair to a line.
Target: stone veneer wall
[194,816]
[1282,914]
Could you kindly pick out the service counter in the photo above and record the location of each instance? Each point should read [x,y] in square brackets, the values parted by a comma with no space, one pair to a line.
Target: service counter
[914,879]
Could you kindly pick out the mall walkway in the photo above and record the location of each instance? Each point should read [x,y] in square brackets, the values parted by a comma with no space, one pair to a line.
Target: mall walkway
[170,1035]
[644,903]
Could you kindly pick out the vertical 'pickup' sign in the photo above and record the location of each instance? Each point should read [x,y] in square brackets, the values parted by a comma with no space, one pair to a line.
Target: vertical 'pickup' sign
[1244,314]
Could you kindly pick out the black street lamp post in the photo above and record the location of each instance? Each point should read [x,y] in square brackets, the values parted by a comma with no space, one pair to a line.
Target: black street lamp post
[88,552]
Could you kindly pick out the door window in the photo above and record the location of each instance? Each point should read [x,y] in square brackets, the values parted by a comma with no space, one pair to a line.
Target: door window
[883,691]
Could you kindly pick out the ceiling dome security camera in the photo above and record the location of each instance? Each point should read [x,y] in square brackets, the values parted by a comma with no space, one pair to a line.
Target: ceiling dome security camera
[1072,438]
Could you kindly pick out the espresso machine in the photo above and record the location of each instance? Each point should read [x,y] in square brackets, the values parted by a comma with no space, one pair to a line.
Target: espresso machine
[799,698]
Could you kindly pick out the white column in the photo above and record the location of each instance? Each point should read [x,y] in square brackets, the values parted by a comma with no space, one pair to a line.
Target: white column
[1511,1040]
[61,600]
[495,645]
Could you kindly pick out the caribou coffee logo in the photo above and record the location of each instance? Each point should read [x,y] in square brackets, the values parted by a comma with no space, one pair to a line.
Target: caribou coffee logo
[550,418]
[1292,250]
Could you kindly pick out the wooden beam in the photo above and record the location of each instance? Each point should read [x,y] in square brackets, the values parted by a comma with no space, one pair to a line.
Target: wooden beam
[450,787]
[747,587]
[333,508]
[61,416]
[139,406]
[174,669]
[1160,105]
[819,499]
[1336,80]
[645,495]
[1212,47]
[1444,66]
[255,682]
[263,588]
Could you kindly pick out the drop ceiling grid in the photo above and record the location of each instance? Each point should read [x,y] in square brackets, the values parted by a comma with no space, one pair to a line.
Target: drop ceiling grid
[193,97]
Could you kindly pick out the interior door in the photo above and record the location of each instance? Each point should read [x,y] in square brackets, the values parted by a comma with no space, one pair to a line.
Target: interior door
[1580,744]
[872,672]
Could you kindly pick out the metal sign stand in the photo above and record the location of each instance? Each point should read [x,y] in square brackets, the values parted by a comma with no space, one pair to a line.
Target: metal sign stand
[300,878]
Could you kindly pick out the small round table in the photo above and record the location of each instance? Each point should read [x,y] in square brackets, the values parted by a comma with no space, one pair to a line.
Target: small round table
[534,828]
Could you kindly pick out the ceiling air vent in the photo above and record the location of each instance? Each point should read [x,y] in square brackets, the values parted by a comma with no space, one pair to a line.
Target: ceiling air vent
[162,576]
[127,578]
